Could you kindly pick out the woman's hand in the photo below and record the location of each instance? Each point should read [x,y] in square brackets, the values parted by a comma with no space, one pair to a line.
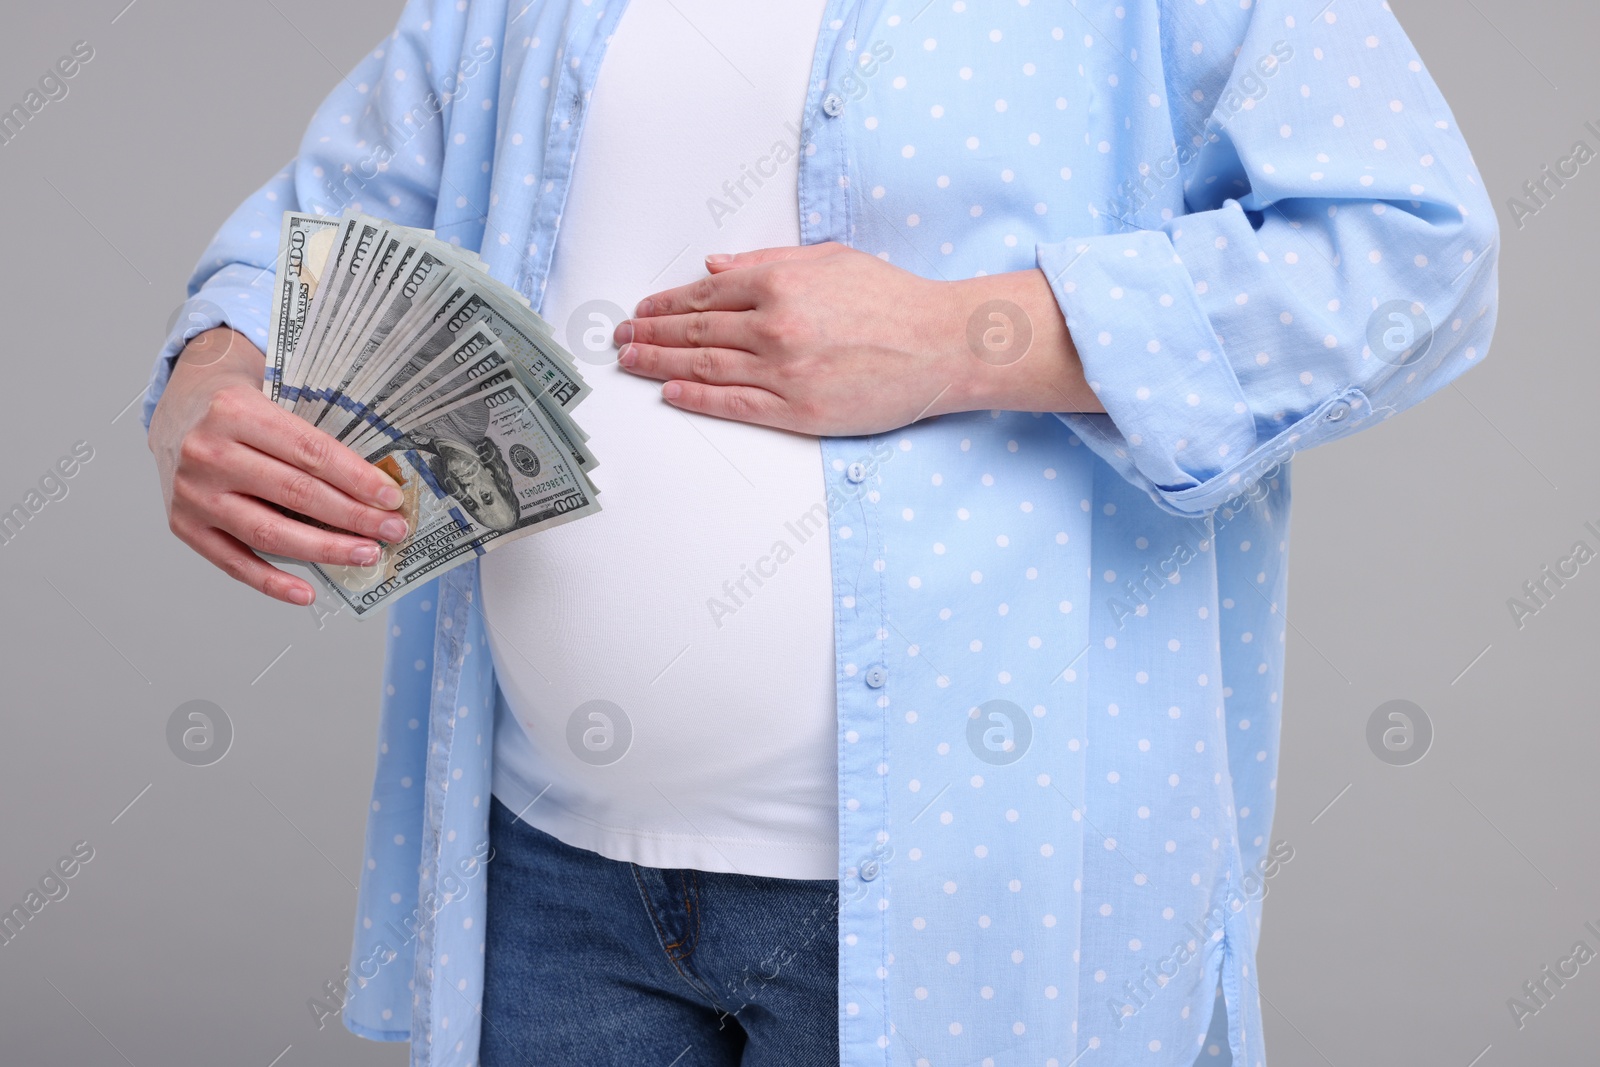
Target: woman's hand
[829,341]
[223,450]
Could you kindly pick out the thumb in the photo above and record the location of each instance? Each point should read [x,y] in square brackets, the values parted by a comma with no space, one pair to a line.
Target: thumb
[721,261]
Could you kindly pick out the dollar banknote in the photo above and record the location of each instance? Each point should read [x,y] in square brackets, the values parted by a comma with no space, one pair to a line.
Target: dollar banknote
[411,353]
[474,473]
[303,249]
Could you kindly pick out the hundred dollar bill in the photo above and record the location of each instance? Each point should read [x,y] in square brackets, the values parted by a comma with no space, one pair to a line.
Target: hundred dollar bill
[303,248]
[466,306]
[411,353]
[476,474]
[450,383]
[374,283]
[407,333]
[370,291]
[340,293]
[408,381]
[547,368]
[406,269]
[488,368]
[529,340]
[421,271]
[314,322]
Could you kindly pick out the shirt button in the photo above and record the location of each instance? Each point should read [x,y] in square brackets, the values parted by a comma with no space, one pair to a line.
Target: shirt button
[869,870]
[876,676]
[856,472]
[1338,411]
[833,105]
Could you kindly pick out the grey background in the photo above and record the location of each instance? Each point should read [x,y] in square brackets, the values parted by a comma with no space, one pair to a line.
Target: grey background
[215,905]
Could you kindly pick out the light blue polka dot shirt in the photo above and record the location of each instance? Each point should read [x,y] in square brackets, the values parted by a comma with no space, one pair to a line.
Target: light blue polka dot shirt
[1060,638]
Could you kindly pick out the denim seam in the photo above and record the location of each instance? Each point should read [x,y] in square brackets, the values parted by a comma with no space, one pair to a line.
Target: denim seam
[694,981]
[691,917]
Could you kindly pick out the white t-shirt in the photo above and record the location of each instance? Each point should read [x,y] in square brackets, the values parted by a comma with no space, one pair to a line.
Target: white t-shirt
[674,606]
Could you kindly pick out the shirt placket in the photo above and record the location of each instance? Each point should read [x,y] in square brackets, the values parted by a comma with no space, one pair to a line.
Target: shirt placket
[855,536]
[583,48]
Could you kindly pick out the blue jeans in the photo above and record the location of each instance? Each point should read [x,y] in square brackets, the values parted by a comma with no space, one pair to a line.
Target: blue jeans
[598,962]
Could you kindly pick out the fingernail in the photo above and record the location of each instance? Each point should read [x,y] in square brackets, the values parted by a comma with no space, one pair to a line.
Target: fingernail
[718,257]
[643,309]
[392,530]
[390,497]
[672,390]
[364,555]
[303,597]
[624,332]
[629,355]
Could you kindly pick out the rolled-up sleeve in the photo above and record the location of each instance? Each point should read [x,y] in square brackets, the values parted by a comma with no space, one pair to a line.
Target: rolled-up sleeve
[1334,261]
[375,144]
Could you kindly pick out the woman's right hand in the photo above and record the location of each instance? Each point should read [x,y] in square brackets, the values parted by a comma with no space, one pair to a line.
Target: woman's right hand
[224,450]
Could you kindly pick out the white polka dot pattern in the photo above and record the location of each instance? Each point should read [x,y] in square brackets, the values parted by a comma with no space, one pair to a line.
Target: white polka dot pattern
[1060,639]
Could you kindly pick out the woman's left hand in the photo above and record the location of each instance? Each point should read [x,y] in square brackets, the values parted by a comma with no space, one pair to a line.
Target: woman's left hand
[820,339]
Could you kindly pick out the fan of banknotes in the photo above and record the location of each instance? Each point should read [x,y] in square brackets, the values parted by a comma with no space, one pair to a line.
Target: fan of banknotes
[404,348]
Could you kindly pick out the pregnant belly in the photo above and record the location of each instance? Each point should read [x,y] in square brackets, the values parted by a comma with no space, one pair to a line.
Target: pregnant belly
[697,602]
